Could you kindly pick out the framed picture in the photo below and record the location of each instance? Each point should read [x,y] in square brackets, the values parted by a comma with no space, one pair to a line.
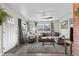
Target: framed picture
[64,24]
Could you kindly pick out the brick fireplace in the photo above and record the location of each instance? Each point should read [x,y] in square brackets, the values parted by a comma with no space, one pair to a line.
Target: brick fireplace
[76,30]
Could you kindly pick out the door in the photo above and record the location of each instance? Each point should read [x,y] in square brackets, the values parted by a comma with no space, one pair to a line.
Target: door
[9,36]
[5,37]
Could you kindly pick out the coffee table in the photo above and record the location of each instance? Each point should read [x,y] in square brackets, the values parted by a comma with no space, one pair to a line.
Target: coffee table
[47,39]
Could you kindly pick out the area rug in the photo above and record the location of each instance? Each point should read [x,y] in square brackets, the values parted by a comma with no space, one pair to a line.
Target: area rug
[39,48]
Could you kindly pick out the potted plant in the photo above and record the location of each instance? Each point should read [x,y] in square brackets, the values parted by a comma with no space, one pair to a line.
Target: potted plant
[3,16]
[77,12]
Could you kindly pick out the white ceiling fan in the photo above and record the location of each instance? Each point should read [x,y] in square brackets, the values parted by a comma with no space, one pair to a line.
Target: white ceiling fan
[44,16]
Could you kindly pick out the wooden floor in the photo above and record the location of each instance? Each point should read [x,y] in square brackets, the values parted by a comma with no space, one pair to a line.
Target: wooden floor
[36,49]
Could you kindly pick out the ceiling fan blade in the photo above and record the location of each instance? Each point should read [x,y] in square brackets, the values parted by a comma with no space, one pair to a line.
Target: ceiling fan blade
[48,18]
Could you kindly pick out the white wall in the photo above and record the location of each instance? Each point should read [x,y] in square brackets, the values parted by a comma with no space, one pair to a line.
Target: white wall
[65,32]
[56,25]
[13,39]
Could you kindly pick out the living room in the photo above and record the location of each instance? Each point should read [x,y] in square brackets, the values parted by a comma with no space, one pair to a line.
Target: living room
[42,29]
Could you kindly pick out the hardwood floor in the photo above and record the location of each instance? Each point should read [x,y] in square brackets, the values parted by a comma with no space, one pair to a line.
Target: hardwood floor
[36,49]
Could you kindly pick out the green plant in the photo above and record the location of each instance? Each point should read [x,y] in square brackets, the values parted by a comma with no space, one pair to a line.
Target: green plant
[3,15]
[77,12]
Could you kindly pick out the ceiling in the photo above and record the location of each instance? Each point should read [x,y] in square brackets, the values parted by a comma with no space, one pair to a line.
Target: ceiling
[30,10]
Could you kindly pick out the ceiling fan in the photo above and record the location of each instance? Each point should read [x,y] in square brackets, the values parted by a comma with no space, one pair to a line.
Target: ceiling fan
[45,16]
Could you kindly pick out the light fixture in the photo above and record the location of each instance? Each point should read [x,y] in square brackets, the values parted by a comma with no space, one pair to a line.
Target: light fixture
[45,16]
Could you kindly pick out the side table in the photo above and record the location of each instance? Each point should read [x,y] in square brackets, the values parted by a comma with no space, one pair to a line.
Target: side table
[70,45]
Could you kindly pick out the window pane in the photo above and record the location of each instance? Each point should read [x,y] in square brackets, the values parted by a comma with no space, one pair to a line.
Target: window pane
[40,27]
[46,27]
[43,26]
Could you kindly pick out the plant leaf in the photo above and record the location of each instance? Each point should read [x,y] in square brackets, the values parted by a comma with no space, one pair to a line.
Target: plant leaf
[3,15]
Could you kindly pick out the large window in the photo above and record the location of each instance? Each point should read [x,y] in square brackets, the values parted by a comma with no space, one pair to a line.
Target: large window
[44,27]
